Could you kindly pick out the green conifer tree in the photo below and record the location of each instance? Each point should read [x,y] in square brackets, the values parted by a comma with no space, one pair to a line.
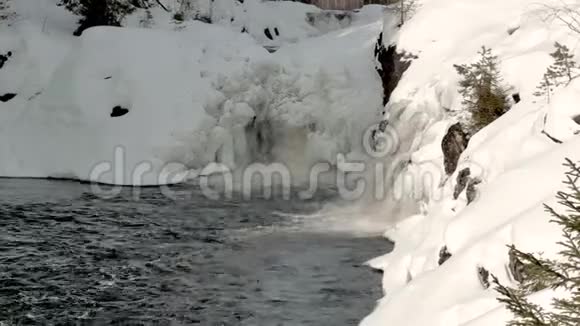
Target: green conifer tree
[564,66]
[484,95]
[561,72]
[101,12]
[540,273]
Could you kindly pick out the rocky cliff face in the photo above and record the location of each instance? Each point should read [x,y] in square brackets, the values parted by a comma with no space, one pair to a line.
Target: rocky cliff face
[390,65]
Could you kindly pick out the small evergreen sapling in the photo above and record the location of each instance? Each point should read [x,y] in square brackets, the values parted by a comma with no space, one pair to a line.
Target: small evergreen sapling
[541,273]
[564,66]
[546,87]
[484,95]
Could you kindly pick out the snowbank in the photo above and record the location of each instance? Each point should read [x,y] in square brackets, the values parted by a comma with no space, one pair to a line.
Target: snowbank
[519,165]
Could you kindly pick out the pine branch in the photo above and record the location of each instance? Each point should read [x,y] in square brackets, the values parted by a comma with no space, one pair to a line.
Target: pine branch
[539,272]
[528,314]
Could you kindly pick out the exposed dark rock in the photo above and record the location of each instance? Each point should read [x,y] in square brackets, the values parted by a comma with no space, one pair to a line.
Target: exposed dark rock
[512,30]
[467,183]
[118,111]
[178,16]
[342,16]
[108,77]
[383,125]
[392,66]
[276,31]
[471,191]
[244,29]
[7,97]
[517,98]
[453,145]
[374,139]
[312,127]
[378,136]
[272,49]
[268,34]
[444,255]
[576,119]
[4,58]
[516,267]
[463,178]
[483,275]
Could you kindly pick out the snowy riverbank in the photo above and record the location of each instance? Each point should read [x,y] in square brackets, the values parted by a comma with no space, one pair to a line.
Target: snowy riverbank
[437,272]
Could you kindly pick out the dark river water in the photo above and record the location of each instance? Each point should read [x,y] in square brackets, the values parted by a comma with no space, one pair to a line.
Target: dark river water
[68,257]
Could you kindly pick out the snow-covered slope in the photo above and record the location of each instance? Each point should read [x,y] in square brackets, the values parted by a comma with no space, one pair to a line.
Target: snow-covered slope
[519,165]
